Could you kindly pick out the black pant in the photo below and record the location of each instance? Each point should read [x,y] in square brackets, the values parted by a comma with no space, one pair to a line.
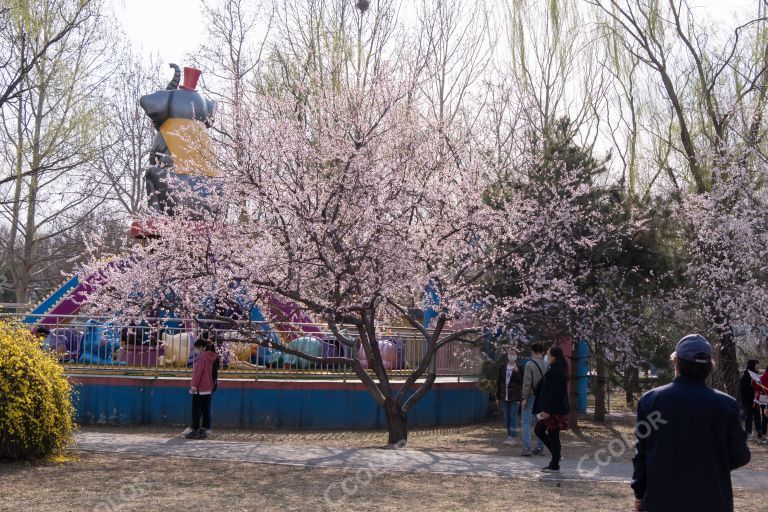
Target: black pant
[551,440]
[201,406]
[752,414]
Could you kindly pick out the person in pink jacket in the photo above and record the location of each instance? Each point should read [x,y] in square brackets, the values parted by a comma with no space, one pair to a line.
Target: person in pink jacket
[202,388]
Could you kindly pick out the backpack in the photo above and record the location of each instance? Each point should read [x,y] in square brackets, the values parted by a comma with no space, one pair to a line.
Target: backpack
[215,373]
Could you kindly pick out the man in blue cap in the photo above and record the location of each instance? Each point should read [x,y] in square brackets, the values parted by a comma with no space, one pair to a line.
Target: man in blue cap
[689,439]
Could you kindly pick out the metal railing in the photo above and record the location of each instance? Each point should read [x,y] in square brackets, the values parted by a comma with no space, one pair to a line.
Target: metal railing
[165,347]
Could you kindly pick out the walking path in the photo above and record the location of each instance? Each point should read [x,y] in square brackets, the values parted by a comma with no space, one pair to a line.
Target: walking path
[371,459]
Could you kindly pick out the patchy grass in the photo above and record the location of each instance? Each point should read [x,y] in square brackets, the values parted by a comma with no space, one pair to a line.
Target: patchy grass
[63,458]
[484,438]
[121,482]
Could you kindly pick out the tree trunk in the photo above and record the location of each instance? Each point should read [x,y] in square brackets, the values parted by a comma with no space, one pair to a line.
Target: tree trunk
[729,367]
[30,226]
[11,257]
[397,423]
[631,384]
[21,285]
[599,386]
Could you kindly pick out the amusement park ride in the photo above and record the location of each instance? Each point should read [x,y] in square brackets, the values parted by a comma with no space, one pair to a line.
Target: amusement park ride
[116,367]
[181,152]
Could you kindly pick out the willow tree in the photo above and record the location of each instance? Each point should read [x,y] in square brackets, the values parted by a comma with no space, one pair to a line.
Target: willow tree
[713,83]
[50,128]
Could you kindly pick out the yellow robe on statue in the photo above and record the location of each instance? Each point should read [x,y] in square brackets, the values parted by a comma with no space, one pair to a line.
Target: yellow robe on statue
[190,146]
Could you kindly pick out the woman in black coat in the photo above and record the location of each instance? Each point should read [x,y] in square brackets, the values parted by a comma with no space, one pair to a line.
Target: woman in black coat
[551,406]
[747,393]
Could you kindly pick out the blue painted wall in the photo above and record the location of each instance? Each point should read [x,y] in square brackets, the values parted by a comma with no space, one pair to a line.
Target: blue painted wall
[582,369]
[275,404]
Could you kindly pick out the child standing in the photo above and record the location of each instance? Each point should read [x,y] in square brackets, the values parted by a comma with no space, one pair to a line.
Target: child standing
[201,388]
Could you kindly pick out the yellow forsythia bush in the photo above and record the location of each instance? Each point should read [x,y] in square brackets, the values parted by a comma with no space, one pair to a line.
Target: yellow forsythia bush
[36,412]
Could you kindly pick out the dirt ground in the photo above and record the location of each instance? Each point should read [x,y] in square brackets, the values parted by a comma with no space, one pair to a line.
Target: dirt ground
[485,438]
[119,482]
[124,482]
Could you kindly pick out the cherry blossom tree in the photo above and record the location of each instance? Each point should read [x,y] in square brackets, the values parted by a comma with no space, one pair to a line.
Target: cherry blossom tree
[347,197]
[354,205]
[724,238]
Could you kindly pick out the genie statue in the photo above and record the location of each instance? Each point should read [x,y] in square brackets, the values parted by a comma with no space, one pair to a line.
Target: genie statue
[182,148]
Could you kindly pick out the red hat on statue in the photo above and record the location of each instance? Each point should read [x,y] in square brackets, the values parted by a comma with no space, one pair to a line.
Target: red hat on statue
[191,76]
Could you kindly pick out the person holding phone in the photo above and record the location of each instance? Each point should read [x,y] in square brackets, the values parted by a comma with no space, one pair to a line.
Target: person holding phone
[748,402]
[551,406]
[202,386]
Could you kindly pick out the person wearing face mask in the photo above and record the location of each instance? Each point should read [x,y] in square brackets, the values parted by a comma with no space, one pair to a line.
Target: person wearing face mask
[551,406]
[535,369]
[509,391]
[202,388]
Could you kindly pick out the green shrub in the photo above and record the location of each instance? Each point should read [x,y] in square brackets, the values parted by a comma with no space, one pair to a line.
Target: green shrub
[36,412]
[488,375]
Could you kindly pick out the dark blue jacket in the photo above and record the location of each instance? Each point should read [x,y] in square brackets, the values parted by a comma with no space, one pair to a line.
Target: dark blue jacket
[689,438]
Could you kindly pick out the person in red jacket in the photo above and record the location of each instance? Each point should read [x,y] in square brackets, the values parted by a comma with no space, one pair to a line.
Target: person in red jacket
[748,404]
[201,388]
[761,392]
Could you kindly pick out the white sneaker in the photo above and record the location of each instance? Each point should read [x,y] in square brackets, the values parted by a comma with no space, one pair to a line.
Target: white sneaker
[510,441]
[187,430]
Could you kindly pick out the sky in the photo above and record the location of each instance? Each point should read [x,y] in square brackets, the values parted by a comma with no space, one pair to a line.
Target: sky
[167,28]
[172,29]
